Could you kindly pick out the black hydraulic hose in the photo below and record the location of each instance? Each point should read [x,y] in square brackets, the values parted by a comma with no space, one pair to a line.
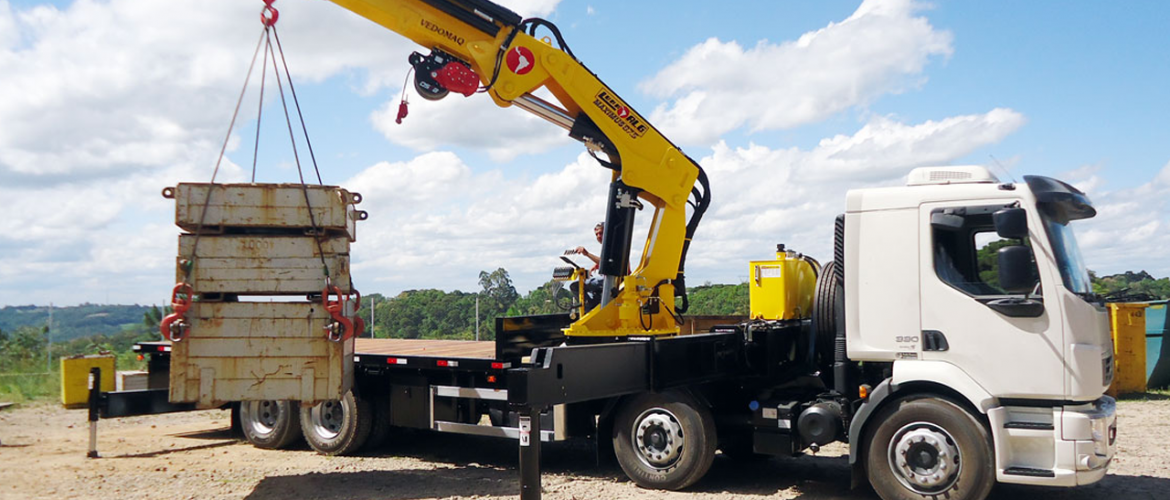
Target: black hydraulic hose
[702,202]
[536,22]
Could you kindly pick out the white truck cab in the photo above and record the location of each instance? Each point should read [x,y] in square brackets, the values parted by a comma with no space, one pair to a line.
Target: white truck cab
[975,290]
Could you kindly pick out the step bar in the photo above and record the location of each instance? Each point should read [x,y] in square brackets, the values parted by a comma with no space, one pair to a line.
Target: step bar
[557,433]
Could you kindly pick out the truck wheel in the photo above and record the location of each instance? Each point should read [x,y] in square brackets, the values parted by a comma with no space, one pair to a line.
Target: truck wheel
[271,425]
[664,440]
[380,425]
[337,427]
[929,448]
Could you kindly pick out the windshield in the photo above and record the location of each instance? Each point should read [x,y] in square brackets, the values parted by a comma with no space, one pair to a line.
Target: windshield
[1068,256]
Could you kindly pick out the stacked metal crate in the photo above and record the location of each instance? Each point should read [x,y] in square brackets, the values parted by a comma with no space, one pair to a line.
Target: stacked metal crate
[249,253]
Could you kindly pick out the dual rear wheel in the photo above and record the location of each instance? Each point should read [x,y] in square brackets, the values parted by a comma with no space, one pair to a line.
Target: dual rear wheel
[338,427]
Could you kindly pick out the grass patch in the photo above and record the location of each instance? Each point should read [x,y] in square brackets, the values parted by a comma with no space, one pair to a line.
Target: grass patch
[20,384]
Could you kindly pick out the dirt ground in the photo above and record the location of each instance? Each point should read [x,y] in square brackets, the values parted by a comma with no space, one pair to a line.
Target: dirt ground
[193,455]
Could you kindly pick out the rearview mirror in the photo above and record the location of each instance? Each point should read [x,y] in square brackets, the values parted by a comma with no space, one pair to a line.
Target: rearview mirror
[1011,223]
[1016,269]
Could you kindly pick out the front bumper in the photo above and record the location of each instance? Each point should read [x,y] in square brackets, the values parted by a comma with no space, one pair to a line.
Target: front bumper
[1092,429]
[1055,446]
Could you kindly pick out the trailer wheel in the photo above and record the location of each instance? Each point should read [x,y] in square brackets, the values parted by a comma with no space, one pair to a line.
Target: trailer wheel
[337,427]
[271,425]
[664,440]
[929,448]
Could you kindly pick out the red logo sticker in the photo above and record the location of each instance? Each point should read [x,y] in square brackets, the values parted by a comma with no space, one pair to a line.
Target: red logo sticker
[520,60]
[624,112]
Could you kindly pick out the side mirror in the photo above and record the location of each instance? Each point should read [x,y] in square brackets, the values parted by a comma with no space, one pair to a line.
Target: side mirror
[1011,223]
[1016,269]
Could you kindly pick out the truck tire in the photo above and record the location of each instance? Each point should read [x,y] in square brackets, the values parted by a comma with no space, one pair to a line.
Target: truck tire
[664,440]
[927,448]
[271,425]
[380,425]
[337,427]
[825,316]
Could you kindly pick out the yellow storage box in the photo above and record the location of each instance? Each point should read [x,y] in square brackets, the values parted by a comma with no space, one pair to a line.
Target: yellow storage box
[75,378]
[1128,324]
[781,288]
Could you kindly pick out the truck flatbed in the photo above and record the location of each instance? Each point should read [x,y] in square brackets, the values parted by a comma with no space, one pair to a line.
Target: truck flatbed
[404,353]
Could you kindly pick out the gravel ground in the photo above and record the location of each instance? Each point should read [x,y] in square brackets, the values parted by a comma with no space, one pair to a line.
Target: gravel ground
[191,455]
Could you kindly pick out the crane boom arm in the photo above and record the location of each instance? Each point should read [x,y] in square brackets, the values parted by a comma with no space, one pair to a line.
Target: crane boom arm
[476,42]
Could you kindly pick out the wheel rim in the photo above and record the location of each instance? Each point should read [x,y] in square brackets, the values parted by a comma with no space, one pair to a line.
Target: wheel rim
[262,416]
[328,418]
[658,438]
[925,458]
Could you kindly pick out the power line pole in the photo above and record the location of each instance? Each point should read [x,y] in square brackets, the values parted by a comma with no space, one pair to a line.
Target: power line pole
[477,316]
[373,302]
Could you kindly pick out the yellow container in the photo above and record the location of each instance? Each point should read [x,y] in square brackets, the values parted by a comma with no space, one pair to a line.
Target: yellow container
[781,288]
[75,378]
[1128,323]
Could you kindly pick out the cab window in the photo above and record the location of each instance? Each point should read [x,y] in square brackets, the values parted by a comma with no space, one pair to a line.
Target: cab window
[965,247]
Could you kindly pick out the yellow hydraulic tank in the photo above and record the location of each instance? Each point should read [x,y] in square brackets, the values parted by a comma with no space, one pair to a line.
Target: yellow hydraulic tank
[781,288]
[1128,324]
[75,378]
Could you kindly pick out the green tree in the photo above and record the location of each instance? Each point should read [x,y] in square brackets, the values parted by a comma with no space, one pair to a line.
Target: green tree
[497,286]
[541,300]
[720,300]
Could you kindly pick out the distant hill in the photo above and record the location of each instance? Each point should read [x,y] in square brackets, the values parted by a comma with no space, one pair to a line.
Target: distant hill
[75,321]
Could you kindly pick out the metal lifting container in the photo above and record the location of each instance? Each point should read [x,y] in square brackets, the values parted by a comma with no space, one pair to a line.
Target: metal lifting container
[263,265]
[249,351]
[265,206]
[263,240]
[781,288]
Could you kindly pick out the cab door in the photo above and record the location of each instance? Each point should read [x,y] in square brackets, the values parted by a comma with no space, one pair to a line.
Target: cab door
[1010,349]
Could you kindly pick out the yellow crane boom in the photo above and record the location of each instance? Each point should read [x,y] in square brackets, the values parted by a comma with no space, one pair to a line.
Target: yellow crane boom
[478,46]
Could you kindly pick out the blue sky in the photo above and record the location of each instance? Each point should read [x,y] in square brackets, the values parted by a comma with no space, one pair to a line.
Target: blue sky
[113,105]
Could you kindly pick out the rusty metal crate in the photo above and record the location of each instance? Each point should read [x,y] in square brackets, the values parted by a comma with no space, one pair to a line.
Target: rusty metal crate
[256,351]
[249,207]
[263,265]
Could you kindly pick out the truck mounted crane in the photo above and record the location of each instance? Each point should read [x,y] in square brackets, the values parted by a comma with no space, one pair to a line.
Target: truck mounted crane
[944,377]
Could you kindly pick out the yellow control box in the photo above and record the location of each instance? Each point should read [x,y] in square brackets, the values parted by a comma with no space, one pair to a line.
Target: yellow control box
[75,378]
[1127,321]
[781,288]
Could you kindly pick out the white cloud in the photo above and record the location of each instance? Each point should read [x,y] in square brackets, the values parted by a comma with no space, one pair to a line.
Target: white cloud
[449,222]
[720,86]
[435,223]
[108,102]
[764,196]
[473,122]
[1131,231]
[531,8]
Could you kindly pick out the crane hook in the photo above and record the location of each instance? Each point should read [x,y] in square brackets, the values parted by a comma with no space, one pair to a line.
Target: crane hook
[269,15]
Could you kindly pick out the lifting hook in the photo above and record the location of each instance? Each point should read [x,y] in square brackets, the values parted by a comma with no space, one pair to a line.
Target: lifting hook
[174,326]
[269,15]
